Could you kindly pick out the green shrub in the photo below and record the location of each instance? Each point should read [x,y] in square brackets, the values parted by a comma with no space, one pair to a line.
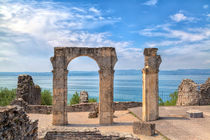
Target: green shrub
[6,96]
[75,99]
[171,102]
[46,97]
[92,100]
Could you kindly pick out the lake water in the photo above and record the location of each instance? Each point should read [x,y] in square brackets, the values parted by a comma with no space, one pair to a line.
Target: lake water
[127,84]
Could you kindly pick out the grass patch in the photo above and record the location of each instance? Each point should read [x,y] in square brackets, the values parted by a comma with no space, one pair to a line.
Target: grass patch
[7,96]
[171,102]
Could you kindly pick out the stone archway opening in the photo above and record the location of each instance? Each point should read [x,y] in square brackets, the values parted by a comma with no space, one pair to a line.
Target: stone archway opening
[106,59]
[83,76]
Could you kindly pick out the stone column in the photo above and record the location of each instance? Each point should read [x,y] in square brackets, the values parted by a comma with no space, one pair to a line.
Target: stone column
[150,107]
[60,92]
[106,96]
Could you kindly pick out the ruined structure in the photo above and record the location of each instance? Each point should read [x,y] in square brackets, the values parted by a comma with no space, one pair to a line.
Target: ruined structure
[83,98]
[150,109]
[87,134]
[15,124]
[188,93]
[205,93]
[106,58]
[28,91]
[191,93]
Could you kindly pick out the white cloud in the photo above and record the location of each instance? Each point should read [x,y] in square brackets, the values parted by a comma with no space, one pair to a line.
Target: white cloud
[30,30]
[94,10]
[205,6]
[178,17]
[187,48]
[151,2]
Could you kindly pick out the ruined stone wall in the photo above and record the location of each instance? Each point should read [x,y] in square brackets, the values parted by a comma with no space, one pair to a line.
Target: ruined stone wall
[205,93]
[87,134]
[84,107]
[15,124]
[191,93]
[28,91]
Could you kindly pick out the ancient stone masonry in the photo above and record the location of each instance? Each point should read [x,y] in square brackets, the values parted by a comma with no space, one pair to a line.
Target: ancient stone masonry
[85,107]
[205,93]
[106,58]
[191,93]
[150,109]
[188,93]
[83,97]
[86,134]
[15,124]
[28,91]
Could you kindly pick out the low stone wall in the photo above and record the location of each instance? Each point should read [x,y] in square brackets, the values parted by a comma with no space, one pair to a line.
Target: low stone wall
[126,105]
[83,107]
[87,134]
[15,124]
[39,109]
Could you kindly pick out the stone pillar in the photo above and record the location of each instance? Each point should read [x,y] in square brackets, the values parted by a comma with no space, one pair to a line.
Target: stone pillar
[150,107]
[59,92]
[106,96]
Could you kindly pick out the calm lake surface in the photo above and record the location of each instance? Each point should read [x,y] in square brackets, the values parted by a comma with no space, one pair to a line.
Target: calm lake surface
[127,84]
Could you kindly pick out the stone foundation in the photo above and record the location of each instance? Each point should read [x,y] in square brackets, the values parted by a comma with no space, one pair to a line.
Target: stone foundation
[86,134]
[15,124]
[144,128]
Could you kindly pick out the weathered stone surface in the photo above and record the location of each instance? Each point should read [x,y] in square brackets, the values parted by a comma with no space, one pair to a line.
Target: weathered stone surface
[150,108]
[144,128]
[188,93]
[94,114]
[86,134]
[15,124]
[105,57]
[85,107]
[28,91]
[194,114]
[20,102]
[205,93]
[83,97]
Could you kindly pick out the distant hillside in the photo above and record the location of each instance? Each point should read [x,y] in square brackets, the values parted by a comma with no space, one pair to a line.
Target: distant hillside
[186,72]
[117,72]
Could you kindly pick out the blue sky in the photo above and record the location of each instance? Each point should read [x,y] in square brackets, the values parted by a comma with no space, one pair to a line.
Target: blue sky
[30,29]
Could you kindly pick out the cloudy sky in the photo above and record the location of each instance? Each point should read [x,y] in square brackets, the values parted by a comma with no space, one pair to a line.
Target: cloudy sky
[30,29]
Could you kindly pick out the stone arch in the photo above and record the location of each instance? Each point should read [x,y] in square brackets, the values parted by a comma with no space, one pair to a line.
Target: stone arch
[106,59]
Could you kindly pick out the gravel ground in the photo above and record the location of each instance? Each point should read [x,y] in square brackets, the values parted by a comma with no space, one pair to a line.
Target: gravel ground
[79,120]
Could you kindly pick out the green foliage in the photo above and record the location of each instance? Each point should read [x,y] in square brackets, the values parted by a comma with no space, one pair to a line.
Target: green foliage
[171,102]
[92,100]
[46,97]
[75,99]
[6,96]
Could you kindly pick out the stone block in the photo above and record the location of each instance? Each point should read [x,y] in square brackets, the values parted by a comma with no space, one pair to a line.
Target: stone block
[144,128]
[194,114]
